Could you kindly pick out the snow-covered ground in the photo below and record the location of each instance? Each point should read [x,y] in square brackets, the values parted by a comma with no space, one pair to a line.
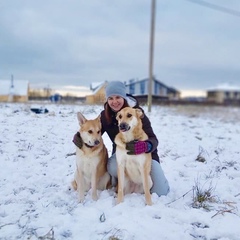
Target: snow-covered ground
[200,155]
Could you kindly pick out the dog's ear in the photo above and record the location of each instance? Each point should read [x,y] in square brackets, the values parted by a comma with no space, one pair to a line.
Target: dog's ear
[117,116]
[140,113]
[81,118]
[99,118]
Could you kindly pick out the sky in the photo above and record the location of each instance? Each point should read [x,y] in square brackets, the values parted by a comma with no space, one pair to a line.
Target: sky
[76,42]
[198,154]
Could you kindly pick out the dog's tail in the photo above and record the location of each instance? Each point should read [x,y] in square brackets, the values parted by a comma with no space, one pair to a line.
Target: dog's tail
[74,185]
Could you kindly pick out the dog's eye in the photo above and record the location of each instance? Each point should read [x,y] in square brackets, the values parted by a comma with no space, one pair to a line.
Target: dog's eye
[129,115]
[98,132]
[120,116]
[90,131]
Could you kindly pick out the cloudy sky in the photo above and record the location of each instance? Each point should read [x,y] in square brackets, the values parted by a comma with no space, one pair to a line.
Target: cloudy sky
[77,42]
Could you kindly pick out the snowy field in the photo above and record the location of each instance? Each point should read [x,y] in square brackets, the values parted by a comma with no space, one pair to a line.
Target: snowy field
[200,155]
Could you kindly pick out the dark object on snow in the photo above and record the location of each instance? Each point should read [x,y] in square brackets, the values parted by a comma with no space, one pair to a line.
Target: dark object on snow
[39,110]
[102,218]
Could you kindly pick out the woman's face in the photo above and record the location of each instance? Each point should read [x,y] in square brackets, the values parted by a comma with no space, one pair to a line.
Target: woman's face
[115,102]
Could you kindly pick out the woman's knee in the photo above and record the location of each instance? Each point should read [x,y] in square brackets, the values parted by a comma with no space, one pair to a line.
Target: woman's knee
[112,166]
[160,183]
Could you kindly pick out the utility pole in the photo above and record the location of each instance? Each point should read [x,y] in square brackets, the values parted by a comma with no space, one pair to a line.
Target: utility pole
[11,90]
[150,80]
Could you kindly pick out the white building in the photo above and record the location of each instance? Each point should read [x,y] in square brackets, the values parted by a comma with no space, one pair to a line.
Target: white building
[140,88]
[224,94]
[14,90]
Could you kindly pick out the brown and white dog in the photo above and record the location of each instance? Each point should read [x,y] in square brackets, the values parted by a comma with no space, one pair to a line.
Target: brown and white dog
[133,170]
[91,159]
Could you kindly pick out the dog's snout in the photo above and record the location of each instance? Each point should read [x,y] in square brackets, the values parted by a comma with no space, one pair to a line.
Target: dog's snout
[96,142]
[124,126]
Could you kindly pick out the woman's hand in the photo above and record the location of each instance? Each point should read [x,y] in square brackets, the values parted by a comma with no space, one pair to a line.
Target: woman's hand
[138,147]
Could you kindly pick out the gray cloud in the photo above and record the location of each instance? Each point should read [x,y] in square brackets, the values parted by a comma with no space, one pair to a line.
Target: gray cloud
[79,42]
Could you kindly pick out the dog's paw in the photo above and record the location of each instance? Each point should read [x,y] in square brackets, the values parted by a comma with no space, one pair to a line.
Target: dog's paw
[81,198]
[148,199]
[119,200]
[149,203]
[94,196]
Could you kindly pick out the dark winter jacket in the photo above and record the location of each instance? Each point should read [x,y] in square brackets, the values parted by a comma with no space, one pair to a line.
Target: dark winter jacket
[112,130]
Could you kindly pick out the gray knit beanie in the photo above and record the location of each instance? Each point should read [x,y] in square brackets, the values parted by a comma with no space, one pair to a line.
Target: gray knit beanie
[115,88]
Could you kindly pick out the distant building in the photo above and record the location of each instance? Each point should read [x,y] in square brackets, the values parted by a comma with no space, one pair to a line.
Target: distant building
[14,90]
[137,88]
[159,90]
[224,94]
[98,94]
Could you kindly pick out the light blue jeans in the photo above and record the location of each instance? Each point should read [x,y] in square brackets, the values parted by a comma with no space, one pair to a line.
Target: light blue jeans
[160,183]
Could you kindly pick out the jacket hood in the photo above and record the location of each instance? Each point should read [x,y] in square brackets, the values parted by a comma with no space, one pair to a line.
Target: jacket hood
[132,102]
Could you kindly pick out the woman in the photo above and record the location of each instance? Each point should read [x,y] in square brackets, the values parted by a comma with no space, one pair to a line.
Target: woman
[117,99]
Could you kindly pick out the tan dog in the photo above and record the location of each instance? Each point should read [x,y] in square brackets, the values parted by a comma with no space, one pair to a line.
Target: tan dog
[91,159]
[133,170]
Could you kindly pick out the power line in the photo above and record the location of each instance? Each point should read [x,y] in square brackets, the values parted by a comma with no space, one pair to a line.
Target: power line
[216,7]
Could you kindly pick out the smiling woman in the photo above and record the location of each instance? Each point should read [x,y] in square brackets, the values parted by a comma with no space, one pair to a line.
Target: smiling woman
[116,95]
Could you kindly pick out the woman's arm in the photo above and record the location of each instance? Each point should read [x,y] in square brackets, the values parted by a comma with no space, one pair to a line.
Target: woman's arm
[149,131]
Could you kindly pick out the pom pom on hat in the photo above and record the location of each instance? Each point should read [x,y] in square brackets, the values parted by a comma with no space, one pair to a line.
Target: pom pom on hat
[116,88]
